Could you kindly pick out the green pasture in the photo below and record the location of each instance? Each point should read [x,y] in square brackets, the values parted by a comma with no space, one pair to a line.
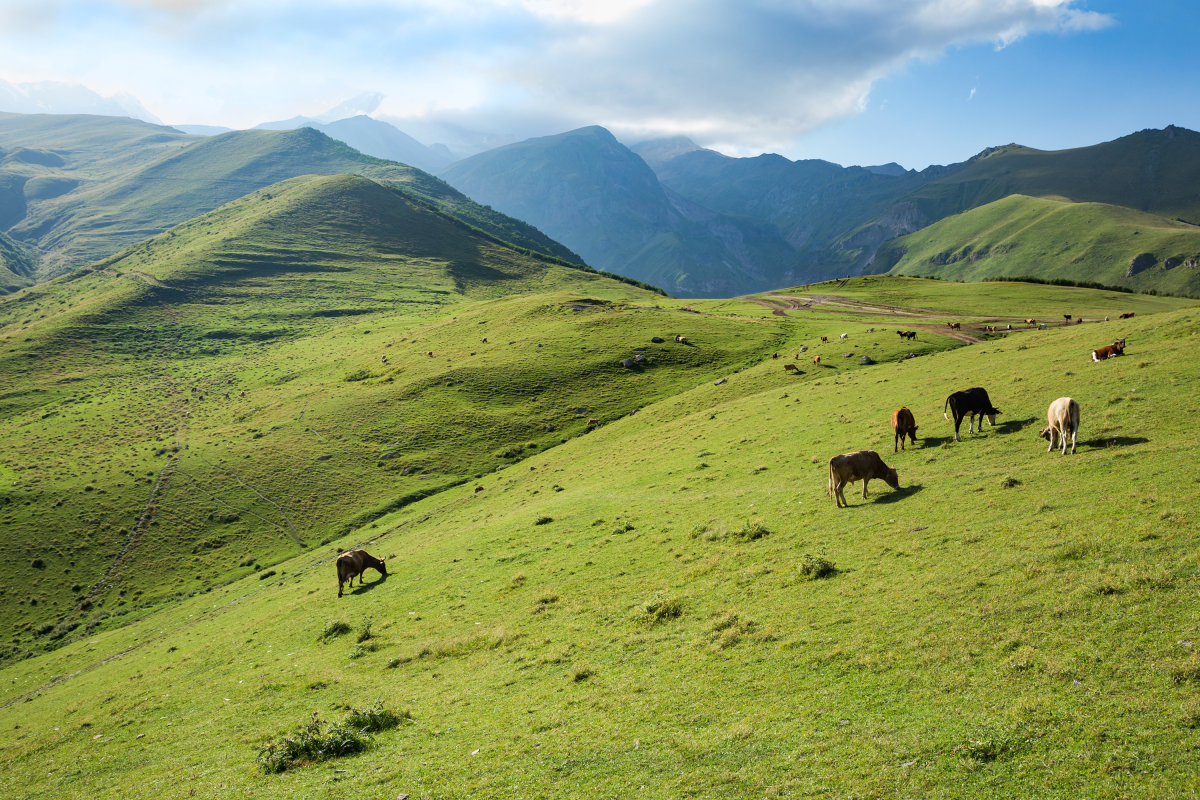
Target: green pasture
[626,610]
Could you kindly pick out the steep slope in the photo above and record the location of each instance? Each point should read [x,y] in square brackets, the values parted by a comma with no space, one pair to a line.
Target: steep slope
[100,185]
[246,385]
[1054,239]
[672,606]
[16,266]
[590,192]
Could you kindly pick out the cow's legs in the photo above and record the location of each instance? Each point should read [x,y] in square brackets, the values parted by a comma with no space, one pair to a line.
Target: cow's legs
[865,487]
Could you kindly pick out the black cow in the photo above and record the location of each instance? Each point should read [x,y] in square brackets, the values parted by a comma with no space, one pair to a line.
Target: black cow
[968,403]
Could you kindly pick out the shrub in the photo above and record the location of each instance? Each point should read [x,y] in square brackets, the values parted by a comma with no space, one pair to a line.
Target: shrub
[334,629]
[543,520]
[376,718]
[364,632]
[358,375]
[753,529]
[315,742]
[818,566]
[661,607]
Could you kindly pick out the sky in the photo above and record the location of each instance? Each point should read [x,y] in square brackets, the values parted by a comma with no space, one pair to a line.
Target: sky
[916,82]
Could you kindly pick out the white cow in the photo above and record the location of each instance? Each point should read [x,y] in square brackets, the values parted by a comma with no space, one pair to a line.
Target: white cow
[1063,418]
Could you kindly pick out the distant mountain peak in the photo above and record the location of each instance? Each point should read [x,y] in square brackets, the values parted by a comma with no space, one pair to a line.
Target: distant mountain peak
[657,152]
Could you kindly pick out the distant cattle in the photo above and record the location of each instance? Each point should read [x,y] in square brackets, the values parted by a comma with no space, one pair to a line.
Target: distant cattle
[353,563]
[593,422]
[824,338]
[774,355]
[861,466]
[903,424]
[910,334]
[1031,322]
[1041,326]
[954,326]
[790,368]
[969,403]
[1067,317]
[1079,320]
[429,353]
[817,360]
[1062,418]
[845,336]
[1127,315]
[902,334]
[1113,350]
[680,338]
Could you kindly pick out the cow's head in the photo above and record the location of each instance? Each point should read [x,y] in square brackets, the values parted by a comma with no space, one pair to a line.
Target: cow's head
[382,568]
[891,478]
[991,415]
[1045,434]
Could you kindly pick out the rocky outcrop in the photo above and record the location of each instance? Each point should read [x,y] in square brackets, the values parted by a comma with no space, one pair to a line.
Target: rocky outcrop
[1140,263]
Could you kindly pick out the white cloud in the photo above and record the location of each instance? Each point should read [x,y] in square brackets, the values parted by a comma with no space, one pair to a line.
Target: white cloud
[750,72]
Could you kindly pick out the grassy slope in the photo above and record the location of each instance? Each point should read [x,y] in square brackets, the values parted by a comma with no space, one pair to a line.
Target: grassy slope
[1050,238]
[216,399]
[1010,622]
[107,184]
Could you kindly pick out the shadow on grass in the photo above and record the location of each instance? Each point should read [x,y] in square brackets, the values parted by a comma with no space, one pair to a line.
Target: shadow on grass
[896,495]
[934,441]
[363,588]
[1014,425]
[1114,441]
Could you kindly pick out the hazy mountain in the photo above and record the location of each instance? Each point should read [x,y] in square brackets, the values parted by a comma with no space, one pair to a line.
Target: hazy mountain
[51,97]
[202,130]
[657,152]
[372,137]
[587,190]
[77,188]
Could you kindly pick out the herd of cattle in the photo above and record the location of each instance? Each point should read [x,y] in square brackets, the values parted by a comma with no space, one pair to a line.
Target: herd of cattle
[1062,420]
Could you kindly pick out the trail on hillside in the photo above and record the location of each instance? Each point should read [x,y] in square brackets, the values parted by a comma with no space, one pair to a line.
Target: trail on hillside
[846,305]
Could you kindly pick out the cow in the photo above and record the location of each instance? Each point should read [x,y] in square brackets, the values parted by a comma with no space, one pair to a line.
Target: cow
[774,355]
[903,424]
[1113,350]
[902,334]
[824,338]
[1127,315]
[845,336]
[593,422]
[968,403]
[1067,317]
[910,334]
[1079,320]
[1031,322]
[429,353]
[1041,326]
[954,326]
[1062,418]
[790,368]
[353,563]
[817,360]
[680,338]
[861,466]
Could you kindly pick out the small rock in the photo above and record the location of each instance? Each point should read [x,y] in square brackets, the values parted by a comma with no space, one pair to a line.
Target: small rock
[719,381]
[657,339]
[866,360]
[324,458]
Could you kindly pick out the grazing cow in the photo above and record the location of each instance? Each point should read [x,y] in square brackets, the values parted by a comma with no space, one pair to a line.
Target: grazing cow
[680,338]
[845,336]
[1127,315]
[910,334]
[1041,326]
[593,422]
[1031,322]
[902,334]
[1106,318]
[817,360]
[1062,418]
[1067,317]
[353,563]
[1113,350]
[790,368]
[1079,320]
[824,338]
[774,355]
[429,353]
[861,466]
[968,403]
[954,326]
[903,424]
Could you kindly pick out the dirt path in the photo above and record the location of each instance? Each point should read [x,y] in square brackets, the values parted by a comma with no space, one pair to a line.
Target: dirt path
[781,304]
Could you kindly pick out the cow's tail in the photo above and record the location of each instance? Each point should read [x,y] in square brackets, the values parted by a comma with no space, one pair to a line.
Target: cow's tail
[830,488]
[945,407]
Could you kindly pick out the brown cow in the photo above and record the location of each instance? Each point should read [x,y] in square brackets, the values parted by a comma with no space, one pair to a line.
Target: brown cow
[790,368]
[1127,315]
[861,466]
[824,338]
[817,360]
[903,423]
[774,355]
[1031,322]
[1062,418]
[954,326]
[353,563]
[1113,350]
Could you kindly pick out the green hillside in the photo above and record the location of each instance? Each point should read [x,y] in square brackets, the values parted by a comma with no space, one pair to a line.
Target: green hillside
[96,186]
[671,605]
[1054,239]
[260,379]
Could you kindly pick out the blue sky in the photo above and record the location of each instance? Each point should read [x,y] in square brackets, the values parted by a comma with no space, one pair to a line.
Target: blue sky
[851,81]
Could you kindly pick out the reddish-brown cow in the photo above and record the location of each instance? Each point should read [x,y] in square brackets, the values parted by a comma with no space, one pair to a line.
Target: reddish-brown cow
[353,563]
[903,424]
[861,466]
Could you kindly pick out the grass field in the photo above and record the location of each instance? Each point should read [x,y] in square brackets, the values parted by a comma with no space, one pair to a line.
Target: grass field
[671,605]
